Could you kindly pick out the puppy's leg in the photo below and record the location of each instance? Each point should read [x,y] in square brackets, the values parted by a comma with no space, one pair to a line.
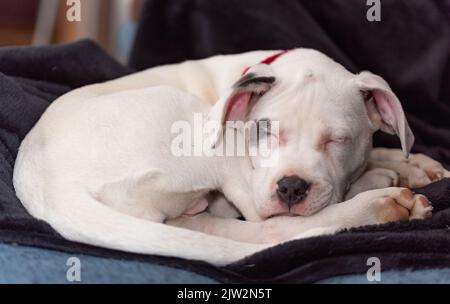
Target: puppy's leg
[125,195]
[270,231]
[377,178]
[229,228]
[417,171]
[78,216]
[150,196]
[219,206]
[368,208]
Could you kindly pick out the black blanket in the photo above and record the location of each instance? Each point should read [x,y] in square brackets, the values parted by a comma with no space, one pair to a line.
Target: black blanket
[410,48]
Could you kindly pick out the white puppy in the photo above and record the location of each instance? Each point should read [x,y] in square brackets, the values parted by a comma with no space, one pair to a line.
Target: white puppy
[99,168]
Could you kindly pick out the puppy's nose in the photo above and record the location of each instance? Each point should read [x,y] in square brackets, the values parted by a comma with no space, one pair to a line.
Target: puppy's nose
[292,189]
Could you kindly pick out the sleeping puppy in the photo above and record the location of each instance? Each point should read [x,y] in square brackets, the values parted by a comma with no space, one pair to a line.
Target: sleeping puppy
[100,165]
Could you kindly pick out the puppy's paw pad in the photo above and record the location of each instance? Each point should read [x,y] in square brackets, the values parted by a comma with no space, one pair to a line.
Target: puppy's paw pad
[433,169]
[422,208]
[403,205]
[435,175]
[406,196]
[418,178]
[389,210]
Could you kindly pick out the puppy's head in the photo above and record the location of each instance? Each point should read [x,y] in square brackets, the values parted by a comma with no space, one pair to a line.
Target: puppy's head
[318,119]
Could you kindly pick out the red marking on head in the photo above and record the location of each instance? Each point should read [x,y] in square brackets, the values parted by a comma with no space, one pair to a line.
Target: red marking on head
[268,60]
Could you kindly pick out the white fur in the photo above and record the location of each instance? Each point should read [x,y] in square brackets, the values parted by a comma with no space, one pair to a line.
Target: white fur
[97,166]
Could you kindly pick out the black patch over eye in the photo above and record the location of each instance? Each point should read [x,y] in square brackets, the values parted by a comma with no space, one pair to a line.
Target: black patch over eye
[251,78]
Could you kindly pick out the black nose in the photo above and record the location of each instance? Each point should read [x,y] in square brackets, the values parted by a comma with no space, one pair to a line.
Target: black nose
[292,189]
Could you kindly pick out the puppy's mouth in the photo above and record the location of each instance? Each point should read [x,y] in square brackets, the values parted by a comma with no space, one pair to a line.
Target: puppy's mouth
[290,214]
[310,205]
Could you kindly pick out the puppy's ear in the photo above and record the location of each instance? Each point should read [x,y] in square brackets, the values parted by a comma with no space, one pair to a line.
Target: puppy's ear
[243,95]
[384,109]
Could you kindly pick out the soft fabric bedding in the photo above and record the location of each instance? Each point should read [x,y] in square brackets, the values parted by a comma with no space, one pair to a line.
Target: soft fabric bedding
[31,265]
[412,56]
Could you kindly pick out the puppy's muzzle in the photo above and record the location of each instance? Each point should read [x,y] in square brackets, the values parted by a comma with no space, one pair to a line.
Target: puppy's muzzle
[292,190]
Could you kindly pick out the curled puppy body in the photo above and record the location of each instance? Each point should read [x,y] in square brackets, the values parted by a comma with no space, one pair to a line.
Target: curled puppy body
[100,169]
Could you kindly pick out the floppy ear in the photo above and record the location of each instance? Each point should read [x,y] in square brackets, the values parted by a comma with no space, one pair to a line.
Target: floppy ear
[384,108]
[237,103]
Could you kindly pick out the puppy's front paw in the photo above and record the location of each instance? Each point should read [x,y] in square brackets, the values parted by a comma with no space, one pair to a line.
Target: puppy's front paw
[383,178]
[401,204]
[377,178]
[417,171]
[433,169]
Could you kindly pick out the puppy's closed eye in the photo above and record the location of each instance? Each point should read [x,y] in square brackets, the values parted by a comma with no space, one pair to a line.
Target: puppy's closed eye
[339,140]
[329,140]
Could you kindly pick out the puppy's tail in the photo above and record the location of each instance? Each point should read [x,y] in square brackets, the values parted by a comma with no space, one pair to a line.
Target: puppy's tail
[80,217]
